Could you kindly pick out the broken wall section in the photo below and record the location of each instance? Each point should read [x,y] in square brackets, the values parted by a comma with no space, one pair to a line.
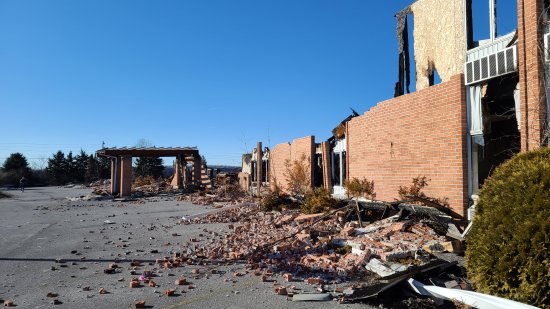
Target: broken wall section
[439,39]
[419,134]
[289,152]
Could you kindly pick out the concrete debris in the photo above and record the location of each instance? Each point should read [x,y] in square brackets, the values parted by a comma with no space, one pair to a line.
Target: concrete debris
[469,298]
[323,246]
[312,297]
[9,303]
[218,198]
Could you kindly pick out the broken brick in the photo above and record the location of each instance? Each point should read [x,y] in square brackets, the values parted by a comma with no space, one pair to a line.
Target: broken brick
[280,290]
[8,303]
[287,277]
[152,283]
[134,283]
[102,291]
[347,231]
[135,263]
[181,281]
[169,292]
[140,304]
[312,280]
[109,271]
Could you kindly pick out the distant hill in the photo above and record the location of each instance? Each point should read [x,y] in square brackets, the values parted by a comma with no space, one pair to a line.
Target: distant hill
[226,168]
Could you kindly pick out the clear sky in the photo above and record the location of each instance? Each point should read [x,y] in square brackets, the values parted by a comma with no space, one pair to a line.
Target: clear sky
[216,74]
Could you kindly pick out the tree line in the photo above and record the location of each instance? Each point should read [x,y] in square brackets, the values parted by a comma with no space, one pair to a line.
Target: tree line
[63,169]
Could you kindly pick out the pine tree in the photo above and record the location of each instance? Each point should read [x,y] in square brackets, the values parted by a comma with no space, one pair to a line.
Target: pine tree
[70,167]
[80,166]
[147,166]
[92,169]
[57,168]
[104,167]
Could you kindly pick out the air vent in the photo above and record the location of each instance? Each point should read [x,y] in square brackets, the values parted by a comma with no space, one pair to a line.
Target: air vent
[496,64]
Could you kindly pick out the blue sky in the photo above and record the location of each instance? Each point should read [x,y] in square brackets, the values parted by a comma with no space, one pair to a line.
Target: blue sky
[219,75]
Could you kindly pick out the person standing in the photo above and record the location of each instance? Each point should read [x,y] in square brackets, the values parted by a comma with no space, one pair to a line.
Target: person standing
[22,183]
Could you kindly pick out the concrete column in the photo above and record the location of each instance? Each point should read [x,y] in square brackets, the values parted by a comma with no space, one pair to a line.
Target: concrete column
[177,181]
[126,176]
[327,175]
[259,167]
[115,175]
[197,169]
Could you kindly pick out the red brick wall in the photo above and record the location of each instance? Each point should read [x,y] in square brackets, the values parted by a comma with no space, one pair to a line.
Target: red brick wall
[418,134]
[277,157]
[531,70]
[294,151]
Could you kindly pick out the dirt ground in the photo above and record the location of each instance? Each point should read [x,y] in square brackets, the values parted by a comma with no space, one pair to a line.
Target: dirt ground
[41,228]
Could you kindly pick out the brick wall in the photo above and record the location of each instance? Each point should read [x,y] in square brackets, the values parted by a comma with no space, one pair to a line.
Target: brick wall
[419,134]
[290,151]
[531,72]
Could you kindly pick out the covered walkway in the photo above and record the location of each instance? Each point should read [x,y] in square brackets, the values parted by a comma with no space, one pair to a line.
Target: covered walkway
[121,165]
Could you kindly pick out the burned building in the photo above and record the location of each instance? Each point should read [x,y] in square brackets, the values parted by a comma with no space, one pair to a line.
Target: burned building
[476,104]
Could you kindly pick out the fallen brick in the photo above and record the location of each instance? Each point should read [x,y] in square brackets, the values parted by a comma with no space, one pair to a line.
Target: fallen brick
[152,283]
[287,277]
[347,231]
[134,283]
[181,281]
[135,263]
[312,280]
[280,290]
[140,304]
[308,218]
[169,292]
[109,270]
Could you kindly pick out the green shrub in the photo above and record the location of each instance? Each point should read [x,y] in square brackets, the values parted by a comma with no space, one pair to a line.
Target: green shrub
[274,200]
[318,201]
[509,244]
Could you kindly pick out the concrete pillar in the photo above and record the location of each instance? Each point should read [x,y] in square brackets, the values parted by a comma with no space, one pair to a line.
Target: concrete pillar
[327,172]
[197,169]
[126,176]
[177,181]
[115,175]
[259,167]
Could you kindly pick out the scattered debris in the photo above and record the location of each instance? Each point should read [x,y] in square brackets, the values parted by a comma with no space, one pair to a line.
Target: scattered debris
[312,297]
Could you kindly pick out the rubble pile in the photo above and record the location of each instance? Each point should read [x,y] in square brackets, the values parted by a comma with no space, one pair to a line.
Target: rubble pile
[149,186]
[322,247]
[217,197]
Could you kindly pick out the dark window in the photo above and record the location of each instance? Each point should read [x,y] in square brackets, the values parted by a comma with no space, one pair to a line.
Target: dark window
[265,170]
[253,170]
[336,170]
[343,166]
[318,171]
